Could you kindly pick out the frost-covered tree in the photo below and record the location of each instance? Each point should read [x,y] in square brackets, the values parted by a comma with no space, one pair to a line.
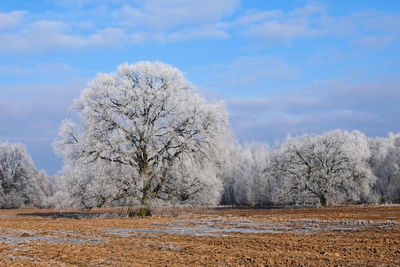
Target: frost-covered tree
[262,186]
[330,167]
[245,175]
[385,163]
[94,184]
[100,183]
[230,173]
[20,183]
[194,183]
[148,117]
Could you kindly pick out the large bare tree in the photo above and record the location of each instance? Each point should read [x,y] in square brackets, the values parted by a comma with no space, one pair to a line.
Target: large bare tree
[148,117]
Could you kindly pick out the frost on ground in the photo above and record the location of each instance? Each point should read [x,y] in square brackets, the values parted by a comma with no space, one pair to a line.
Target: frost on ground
[15,237]
[221,227]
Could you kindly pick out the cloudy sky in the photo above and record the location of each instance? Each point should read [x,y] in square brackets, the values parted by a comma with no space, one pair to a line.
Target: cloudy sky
[282,67]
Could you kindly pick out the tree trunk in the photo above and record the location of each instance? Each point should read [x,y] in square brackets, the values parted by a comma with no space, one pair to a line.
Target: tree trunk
[322,200]
[145,209]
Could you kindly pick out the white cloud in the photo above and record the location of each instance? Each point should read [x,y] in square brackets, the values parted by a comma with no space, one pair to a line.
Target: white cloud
[277,26]
[138,22]
[32,115]
[173,21]
[162,15]
[371,107]
[274,31]
[372,28]
[109,24]
[44,35]
[310,9]
[251,73]
[377,42]
[214,31]
[253,16]
[48,26]
[9,21]
[38,72]
[21,106]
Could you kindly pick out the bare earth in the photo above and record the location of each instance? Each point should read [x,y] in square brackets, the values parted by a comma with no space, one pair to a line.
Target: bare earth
[356,235]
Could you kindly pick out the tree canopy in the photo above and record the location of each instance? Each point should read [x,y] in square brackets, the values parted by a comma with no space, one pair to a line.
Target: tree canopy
[20,183]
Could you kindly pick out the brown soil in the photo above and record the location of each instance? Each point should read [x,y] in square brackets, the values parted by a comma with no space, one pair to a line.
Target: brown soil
[356,235]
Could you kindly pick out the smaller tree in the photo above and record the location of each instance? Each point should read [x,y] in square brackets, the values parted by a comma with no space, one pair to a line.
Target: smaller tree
[385,163]
[331,167]
[245,176]
[195,184]
[20,183]
[229,173]
[262,186]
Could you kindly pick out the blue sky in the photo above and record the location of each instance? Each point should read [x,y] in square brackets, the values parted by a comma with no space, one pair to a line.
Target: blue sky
[281,66]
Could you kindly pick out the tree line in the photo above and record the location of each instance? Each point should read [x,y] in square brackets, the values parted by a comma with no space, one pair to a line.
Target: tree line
[146,138]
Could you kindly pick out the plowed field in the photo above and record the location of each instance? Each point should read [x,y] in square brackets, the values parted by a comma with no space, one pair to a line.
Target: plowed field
[356,235]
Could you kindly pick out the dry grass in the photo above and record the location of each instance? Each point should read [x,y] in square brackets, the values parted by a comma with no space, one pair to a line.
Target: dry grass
[357,235]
